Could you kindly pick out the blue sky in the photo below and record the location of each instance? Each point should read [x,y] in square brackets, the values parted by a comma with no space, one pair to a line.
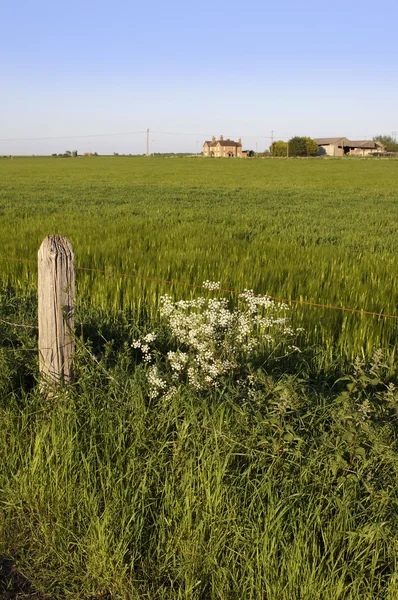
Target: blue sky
[299,67]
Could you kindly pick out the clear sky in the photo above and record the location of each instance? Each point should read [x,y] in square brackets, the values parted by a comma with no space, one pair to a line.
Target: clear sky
[294,67]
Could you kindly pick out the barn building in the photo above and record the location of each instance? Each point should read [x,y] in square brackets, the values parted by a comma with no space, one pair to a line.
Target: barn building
[342,146]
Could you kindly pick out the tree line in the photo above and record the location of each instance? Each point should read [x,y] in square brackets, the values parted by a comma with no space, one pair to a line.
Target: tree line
[389,142]
[296,146]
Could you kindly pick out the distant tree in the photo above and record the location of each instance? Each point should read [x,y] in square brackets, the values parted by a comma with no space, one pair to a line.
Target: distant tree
[297,146]
[302,146]
[311,146]
[95,154]
[390,144]
[278,148]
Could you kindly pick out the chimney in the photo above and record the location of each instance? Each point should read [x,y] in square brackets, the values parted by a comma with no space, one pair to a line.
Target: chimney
[213,139]
[239,140]
[221,138]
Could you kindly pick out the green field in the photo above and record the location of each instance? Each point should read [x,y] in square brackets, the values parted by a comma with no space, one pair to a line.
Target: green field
[315,230]
[280,488]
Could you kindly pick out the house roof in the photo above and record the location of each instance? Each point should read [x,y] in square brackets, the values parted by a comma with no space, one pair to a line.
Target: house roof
[227,143]
[223,143]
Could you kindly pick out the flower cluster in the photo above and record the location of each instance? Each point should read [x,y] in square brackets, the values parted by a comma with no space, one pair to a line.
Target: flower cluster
[212,340]
[156,382]
[144,346]
[211,285]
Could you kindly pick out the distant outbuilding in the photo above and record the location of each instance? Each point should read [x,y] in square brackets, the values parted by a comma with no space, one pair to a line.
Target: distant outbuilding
[342,146]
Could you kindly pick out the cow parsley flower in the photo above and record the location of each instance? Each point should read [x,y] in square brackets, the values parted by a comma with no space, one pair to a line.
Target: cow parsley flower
[212,340]
[211,285]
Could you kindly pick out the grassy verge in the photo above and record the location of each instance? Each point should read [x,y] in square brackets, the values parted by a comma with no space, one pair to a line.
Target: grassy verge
[289,493]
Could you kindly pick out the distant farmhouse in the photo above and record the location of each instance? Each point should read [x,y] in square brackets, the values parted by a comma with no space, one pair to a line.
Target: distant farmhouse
[226,148]
[344,147]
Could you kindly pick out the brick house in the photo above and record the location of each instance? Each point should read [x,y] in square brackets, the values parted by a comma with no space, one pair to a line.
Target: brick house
[225,148]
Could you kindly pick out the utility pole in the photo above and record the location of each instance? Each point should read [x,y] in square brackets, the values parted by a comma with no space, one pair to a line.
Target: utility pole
[147,142]
[394,135]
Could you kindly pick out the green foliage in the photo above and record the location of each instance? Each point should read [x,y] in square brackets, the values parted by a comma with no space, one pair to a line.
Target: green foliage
[278,148]
[302,146]
[390,143]
[297,146]
[311,147]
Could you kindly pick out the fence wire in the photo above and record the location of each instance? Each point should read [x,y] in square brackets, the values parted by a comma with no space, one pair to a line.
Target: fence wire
[222,290]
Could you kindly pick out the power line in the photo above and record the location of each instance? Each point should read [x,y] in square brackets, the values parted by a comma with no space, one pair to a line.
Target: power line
[209,134]
[70,137]
[271,137]
[143,131]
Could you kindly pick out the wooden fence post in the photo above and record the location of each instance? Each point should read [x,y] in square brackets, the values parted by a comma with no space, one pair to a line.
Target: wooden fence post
[56,292]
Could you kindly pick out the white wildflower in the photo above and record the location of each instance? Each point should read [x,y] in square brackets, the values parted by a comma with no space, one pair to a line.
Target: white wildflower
[211,285]
[213,340]
[150,337]
[156,382]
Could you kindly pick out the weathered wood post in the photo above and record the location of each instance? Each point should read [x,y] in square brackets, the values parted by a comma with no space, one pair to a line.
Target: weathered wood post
[56,292]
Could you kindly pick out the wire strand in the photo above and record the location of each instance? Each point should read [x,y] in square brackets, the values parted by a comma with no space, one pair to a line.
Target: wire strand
[224,290]
[18,324]
[143,131]
[70,137]
[232,291]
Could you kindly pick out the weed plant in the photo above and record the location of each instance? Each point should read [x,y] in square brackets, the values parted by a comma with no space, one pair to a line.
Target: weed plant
[213,343]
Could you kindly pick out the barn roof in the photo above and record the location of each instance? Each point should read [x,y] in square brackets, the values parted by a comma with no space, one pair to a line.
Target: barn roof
[366,144]
[350,143]
[326,141]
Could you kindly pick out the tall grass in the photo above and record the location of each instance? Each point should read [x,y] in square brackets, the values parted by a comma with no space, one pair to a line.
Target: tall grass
[289,492]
